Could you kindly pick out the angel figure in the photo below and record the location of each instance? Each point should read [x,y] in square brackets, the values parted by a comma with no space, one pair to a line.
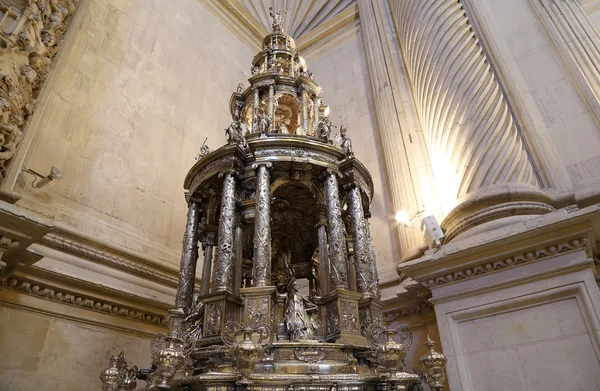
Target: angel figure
[278,19]
[297,319]
[204,150]
[235,133]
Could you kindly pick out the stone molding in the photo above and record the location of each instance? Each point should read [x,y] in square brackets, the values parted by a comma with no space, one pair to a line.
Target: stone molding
[564,231]
[111,256]
[503,262]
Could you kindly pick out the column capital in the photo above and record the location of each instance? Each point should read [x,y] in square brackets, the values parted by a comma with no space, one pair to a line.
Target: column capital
[256,165]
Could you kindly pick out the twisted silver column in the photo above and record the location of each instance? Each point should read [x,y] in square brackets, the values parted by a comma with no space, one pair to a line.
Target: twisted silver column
[371,259]
[337,237]
[361,243]
[189,258]
[224,264]
[261,271]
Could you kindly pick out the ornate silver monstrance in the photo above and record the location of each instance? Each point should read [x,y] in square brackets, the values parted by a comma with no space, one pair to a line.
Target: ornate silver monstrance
[285,209]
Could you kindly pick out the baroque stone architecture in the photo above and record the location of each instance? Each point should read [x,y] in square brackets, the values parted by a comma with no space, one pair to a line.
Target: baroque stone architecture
[477,121]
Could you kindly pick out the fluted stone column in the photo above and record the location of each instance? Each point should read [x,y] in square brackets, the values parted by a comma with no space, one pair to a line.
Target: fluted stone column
[261,272]
[305,110]
[361,241]
[469,130]
[224,264]
[337,237]
[189,258]
[208,245]
[405,154]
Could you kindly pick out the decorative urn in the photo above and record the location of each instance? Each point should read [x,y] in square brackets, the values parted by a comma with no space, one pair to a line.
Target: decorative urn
[168,359]
[433,364]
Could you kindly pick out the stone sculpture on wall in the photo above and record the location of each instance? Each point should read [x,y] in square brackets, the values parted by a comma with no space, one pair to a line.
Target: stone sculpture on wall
[30,33]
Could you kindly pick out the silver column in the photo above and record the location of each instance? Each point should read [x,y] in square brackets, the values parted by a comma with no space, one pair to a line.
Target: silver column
[224,265]
[272,104]
[316,104]
[323,255]
[261,272]
[237,278]
[305,110]
[361,242]
[337,237]
[256,107]
[371,258]
[207,266]
[189,258]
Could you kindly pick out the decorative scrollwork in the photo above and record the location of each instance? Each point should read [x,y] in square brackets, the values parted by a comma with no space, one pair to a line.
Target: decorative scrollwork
[309,354]
[230,332]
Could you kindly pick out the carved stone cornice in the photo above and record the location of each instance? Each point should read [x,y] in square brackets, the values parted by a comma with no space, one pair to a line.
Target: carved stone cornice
[533,240]
[76,298]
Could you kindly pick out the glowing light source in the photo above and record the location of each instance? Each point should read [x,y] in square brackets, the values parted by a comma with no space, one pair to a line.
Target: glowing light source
[402,217]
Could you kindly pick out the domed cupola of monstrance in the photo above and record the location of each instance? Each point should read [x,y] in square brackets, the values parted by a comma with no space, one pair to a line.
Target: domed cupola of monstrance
[288,297]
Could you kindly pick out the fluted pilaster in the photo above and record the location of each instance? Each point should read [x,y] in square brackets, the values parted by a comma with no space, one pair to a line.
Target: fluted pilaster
[336,234]
[470,133]
[580,35]
[405,155]
[189,259]
[261,272]
[224,264]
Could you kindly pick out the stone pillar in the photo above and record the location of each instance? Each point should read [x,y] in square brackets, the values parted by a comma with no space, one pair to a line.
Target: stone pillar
[361,241]
[405,154]
[337,236]
[473,141]
[272,104]
[323,255]
[316,104]
[256,107]
[208,245]
[261,272]
[224,265]
[189,258]
[305,110]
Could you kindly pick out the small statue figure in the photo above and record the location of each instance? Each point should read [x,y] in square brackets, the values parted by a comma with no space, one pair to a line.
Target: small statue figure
[309,74]
[324,129]
[240,88]
[204,150]
[297,319]
[262,123]
[235,133]
[271,61]
[193,322]
[346,143]
[255,70]
[278,19]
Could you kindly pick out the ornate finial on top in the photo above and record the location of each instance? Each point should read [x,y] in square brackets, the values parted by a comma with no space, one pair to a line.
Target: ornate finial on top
[278,19]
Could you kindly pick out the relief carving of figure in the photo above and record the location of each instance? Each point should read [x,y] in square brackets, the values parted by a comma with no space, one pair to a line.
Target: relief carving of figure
[262,123]
[193,321]
[298,321]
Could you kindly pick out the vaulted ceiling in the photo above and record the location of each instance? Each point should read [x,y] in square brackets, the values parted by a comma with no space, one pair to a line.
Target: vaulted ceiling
[303,15]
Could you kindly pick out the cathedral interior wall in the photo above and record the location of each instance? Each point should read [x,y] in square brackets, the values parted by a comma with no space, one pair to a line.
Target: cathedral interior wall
[137,89]
[347,92]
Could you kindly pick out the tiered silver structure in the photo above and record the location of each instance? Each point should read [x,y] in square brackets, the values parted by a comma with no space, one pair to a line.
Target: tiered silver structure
[278,204]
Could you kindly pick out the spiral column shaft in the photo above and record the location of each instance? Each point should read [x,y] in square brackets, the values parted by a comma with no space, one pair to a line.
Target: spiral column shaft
[470,133]
[224,265]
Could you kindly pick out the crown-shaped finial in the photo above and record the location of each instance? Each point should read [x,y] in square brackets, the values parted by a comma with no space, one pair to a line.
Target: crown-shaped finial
[278,19]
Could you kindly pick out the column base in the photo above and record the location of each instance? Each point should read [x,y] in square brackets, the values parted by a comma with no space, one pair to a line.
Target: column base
[219,308]
[342,319]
